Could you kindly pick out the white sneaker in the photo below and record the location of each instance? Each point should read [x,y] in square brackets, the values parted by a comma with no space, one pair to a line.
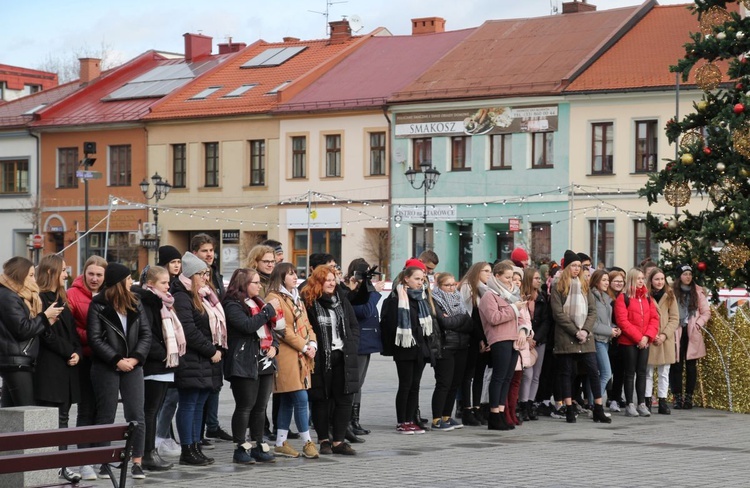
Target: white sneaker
[614,406]
[630,411]
[643,410]
[88,473]
[168,447]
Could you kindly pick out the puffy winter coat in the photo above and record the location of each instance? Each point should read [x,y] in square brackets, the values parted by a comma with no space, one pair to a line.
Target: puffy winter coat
[109,341]
[456,329]
[427,347]
[669,319]
[19,334]
[541,320]
[156,362]
[636,319]
[196,369]
[79,299]
[696,322]
[242,338]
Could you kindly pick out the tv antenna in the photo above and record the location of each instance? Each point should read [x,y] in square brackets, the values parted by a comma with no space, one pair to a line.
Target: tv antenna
[327,13]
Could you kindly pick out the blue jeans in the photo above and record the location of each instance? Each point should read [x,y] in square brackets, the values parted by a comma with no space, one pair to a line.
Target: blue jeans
[605,370]
[293,402]
[212,411]
[190,414]
[166,414]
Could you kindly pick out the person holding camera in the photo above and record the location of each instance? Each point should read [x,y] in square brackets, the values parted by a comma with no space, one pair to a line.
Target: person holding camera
[364,295]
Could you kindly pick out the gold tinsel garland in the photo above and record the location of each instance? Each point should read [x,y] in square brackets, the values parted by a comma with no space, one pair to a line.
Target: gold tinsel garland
[726,358]
[734,256]
[721,192]
[677,194]
[741,141]
[713,17]
[691,138]
[708,77]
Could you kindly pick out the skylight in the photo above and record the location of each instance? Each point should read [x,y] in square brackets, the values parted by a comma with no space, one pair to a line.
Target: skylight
[35,109]
[274,56]
[279,88]
[205,93]
[239,91]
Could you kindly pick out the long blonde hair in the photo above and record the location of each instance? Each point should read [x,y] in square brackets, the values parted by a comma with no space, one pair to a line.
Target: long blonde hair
[563,284]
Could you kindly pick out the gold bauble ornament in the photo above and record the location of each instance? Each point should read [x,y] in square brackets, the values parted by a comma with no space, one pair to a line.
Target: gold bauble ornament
[741,141]
[722,191]
[734,256]
[672,224]
[744,172]
[730,226]
[687,158]
[712,17]
[677,194]
[721,167]
[702,105]
[708,77]
[691,139]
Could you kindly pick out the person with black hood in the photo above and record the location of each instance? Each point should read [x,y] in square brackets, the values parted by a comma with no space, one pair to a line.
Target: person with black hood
[167,345]
[364,295]
[119,334]
[202,317]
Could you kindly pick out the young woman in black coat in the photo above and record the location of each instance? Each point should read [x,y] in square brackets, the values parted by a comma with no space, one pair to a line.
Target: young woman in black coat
[336,375]
[56,381]
[120,337]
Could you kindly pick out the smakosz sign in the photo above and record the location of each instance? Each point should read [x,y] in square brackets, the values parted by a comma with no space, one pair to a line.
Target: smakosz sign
[434,212]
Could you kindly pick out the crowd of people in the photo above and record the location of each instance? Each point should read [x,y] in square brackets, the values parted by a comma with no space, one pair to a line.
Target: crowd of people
[507,343]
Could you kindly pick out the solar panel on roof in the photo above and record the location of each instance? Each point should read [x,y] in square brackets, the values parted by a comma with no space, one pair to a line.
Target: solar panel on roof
[160,81]
[273,56]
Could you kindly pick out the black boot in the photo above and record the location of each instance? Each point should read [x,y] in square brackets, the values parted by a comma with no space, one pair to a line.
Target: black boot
[531,410]
[677,402]
[687,404]
[352,437]
[154,462]
[484,409]
[421,422]
[190,457]
[664,407]
[198,452]
[570,414]
[523,411]
[358,429]
[599,415]
[468,418]
[496,421]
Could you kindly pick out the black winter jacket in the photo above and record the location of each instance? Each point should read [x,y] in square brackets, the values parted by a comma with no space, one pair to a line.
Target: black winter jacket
[54,380]
[541,322]
[157,354]
[428,347]
[242,357]
[196,369]
[19,334]
[456,329]
[351,347]
[107,339]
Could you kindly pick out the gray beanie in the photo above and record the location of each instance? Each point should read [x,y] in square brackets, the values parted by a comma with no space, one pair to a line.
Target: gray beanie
[192,264]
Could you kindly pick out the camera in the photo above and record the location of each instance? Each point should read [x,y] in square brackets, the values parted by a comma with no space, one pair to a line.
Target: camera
[366,277]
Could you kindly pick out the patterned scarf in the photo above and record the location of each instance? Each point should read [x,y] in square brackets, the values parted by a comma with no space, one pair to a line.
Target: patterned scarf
[29,291]
[216,319]
[256,304]
[450,302]
[174,336]
[576,305]
[404,336]
[323,306]
[511,296]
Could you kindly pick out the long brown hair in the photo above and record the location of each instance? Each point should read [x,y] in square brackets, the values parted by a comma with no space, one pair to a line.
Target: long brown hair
[313,288]
[596,278]
[48,276]
[278,275]
[237,288]
[120,297]
[693,293]
[527,283]
[471,278]
[257,253]
[667,289]
[16,269]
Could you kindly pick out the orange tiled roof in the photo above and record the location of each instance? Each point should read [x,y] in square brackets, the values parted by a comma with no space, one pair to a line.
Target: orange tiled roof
[301,69]
[520,56]
[641,59]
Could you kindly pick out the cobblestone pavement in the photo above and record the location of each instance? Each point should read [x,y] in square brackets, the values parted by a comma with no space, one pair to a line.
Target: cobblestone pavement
[688,448]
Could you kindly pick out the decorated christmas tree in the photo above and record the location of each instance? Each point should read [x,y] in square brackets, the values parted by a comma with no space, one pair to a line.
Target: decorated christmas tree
[713,157]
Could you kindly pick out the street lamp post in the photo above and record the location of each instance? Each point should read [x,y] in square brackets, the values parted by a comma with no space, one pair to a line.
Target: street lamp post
[161,190]
[429,179]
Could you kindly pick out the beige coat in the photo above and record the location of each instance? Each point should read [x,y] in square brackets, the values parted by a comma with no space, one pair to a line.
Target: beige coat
[669,319]
[294,367]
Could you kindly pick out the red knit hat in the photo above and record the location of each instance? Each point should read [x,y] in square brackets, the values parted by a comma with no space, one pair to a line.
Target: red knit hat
[416,263]
[519,254]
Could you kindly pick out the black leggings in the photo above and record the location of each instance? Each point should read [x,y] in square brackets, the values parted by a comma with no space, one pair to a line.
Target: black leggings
[566,372]
[63,415]
[618,371]
[154,393]
[407,397]
[691,369]
[250,398]
[18,389]
[471,385]
[504,359]
[636,362]
[449,370]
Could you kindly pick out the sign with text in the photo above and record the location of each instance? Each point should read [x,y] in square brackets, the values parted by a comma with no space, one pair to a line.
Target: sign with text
[475,122]
[88,175]
[148,243]
[514,225]
[230,237]
[434,212]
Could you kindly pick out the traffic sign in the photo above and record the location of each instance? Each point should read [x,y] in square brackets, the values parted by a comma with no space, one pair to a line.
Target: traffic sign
[88,175]
[37,241]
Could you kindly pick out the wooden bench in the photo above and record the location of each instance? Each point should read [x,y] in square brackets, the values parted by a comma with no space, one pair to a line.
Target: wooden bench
[33,461]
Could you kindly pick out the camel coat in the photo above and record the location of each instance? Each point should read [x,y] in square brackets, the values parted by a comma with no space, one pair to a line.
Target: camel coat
[669,319]
[294,367]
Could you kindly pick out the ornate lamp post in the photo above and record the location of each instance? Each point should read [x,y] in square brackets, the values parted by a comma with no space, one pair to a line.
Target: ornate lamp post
[161,190]
[429,179]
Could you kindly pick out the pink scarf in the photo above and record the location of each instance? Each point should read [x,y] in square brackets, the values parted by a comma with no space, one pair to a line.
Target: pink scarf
[216,319]
[174,336]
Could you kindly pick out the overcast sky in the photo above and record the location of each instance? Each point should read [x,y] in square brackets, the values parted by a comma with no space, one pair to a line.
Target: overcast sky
[32,31]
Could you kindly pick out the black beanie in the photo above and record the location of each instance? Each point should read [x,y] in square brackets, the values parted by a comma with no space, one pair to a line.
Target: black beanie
[570,257]
[167,254]
[682,268]
[115,273]
[582,256]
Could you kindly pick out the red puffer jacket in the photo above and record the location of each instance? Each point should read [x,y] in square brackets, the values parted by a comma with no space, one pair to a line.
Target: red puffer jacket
[79,299]
[638,318]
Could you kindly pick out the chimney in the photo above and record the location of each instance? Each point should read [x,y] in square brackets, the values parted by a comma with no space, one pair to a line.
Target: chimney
[340,31]
[90,70]
[291,39]
[197,46]
[577,6]
[427,25]
[231,47]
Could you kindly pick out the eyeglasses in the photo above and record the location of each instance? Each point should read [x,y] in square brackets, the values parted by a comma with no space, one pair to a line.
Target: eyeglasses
[268,261]
[449,285]
[255,282]
[204,273]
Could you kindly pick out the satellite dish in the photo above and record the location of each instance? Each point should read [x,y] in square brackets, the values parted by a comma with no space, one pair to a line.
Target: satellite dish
[355,23]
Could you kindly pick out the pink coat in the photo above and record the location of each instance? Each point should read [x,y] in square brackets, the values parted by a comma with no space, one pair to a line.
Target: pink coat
[501,320]
[696,322]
